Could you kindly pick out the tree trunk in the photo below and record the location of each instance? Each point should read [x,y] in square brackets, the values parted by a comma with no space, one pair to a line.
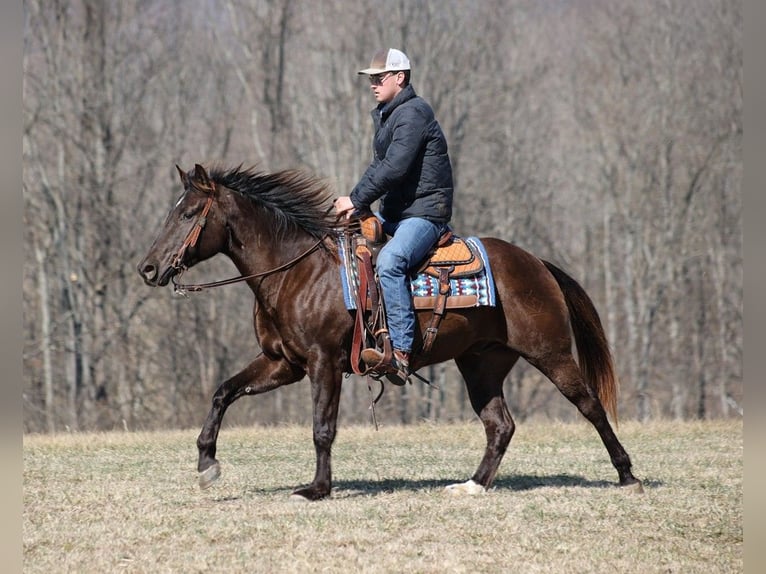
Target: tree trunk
[45,341]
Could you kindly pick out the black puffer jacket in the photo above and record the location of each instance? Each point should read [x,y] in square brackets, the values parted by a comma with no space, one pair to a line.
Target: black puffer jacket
[411,172]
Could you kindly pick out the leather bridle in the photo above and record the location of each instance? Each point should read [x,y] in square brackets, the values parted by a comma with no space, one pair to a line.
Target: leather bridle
[193,236]
[191,240]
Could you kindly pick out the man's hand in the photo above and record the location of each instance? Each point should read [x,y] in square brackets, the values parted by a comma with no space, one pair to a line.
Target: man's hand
[343,206]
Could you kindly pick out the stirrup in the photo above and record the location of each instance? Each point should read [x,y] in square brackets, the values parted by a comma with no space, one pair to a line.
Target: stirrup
[395,372]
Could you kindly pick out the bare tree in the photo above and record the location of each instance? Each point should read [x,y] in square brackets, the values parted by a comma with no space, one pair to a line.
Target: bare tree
[656,144]
[604,137]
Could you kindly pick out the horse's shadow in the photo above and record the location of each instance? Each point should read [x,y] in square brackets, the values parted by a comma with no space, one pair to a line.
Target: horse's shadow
[518,483]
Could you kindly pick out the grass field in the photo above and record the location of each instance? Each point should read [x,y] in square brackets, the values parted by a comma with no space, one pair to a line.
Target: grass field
[130,502]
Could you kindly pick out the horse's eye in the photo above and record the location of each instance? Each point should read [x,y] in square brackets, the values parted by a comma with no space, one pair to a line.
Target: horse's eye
[187,214]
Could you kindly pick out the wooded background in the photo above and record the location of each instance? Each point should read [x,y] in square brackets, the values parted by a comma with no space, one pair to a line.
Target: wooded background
[604,136]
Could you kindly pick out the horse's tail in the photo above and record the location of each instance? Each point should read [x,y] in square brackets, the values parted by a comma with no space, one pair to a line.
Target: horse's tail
[593,352]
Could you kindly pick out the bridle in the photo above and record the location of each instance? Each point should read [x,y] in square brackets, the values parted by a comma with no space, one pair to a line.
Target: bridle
[191,240]
[192,236]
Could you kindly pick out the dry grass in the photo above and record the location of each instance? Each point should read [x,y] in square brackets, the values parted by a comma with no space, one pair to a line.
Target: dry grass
[130,502]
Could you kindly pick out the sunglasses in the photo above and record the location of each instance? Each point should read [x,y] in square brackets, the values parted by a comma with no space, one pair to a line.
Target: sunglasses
[378,79]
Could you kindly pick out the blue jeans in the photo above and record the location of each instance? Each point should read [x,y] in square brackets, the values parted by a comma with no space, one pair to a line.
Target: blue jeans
[411,240]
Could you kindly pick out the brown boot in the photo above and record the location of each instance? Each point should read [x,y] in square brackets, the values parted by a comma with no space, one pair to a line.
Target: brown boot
[401,365]
[396,371]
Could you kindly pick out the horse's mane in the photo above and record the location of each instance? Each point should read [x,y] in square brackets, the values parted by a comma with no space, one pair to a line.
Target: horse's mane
[295,198]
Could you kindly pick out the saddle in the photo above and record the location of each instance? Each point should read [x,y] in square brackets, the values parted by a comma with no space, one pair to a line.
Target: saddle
[452,253]
[452,257]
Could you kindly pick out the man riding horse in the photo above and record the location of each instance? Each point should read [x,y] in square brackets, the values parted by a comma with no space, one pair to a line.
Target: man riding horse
[411,175]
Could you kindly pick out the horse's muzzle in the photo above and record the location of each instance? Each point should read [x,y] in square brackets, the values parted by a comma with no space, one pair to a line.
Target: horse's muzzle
[150,273]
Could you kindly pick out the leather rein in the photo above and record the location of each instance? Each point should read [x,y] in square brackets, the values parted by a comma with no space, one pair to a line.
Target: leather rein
[191,240]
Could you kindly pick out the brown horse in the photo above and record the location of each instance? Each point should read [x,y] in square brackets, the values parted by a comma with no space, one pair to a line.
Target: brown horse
[277,230]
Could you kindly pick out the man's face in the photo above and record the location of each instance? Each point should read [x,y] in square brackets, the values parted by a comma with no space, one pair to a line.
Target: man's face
[385,86]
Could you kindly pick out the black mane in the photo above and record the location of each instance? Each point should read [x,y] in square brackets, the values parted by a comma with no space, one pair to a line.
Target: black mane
[295,198]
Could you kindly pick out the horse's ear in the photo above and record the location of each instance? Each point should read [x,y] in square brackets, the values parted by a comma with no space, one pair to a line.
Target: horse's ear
[201,177]
[184,176]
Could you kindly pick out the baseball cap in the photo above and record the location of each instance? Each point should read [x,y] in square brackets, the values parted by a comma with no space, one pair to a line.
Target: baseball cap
[390,60]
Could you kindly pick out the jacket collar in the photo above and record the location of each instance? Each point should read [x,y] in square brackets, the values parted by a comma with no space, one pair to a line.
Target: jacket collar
[406,94]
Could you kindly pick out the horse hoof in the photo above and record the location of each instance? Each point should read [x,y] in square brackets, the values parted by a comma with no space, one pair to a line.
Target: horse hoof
[208,476]
[469,488]
[310,493]
[633,488]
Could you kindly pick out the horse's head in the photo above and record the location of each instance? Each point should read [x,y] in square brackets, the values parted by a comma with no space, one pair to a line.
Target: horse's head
[193,231]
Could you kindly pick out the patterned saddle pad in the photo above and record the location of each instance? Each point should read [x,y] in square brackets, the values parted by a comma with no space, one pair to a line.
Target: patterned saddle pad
[472,290]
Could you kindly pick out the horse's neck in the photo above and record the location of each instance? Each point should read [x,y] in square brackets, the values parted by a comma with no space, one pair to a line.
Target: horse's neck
[255,248]
[261,252]
[251,246]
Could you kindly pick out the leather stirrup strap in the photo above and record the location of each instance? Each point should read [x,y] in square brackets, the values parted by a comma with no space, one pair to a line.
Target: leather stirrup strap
[366,258]
[367,293]
[377,322]
[439,307]
[362,296]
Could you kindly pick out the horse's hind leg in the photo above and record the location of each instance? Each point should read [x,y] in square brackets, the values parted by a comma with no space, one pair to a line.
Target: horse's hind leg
[260,376]
[484,372]
[567,376]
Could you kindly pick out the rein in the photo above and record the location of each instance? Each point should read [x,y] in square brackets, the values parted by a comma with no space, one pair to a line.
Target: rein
[182,289]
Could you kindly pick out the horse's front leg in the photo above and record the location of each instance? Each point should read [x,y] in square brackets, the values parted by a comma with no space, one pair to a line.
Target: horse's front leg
[326,381]
[260,376]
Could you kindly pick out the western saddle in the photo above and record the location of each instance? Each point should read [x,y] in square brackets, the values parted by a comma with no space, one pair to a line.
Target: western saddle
[452,257]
